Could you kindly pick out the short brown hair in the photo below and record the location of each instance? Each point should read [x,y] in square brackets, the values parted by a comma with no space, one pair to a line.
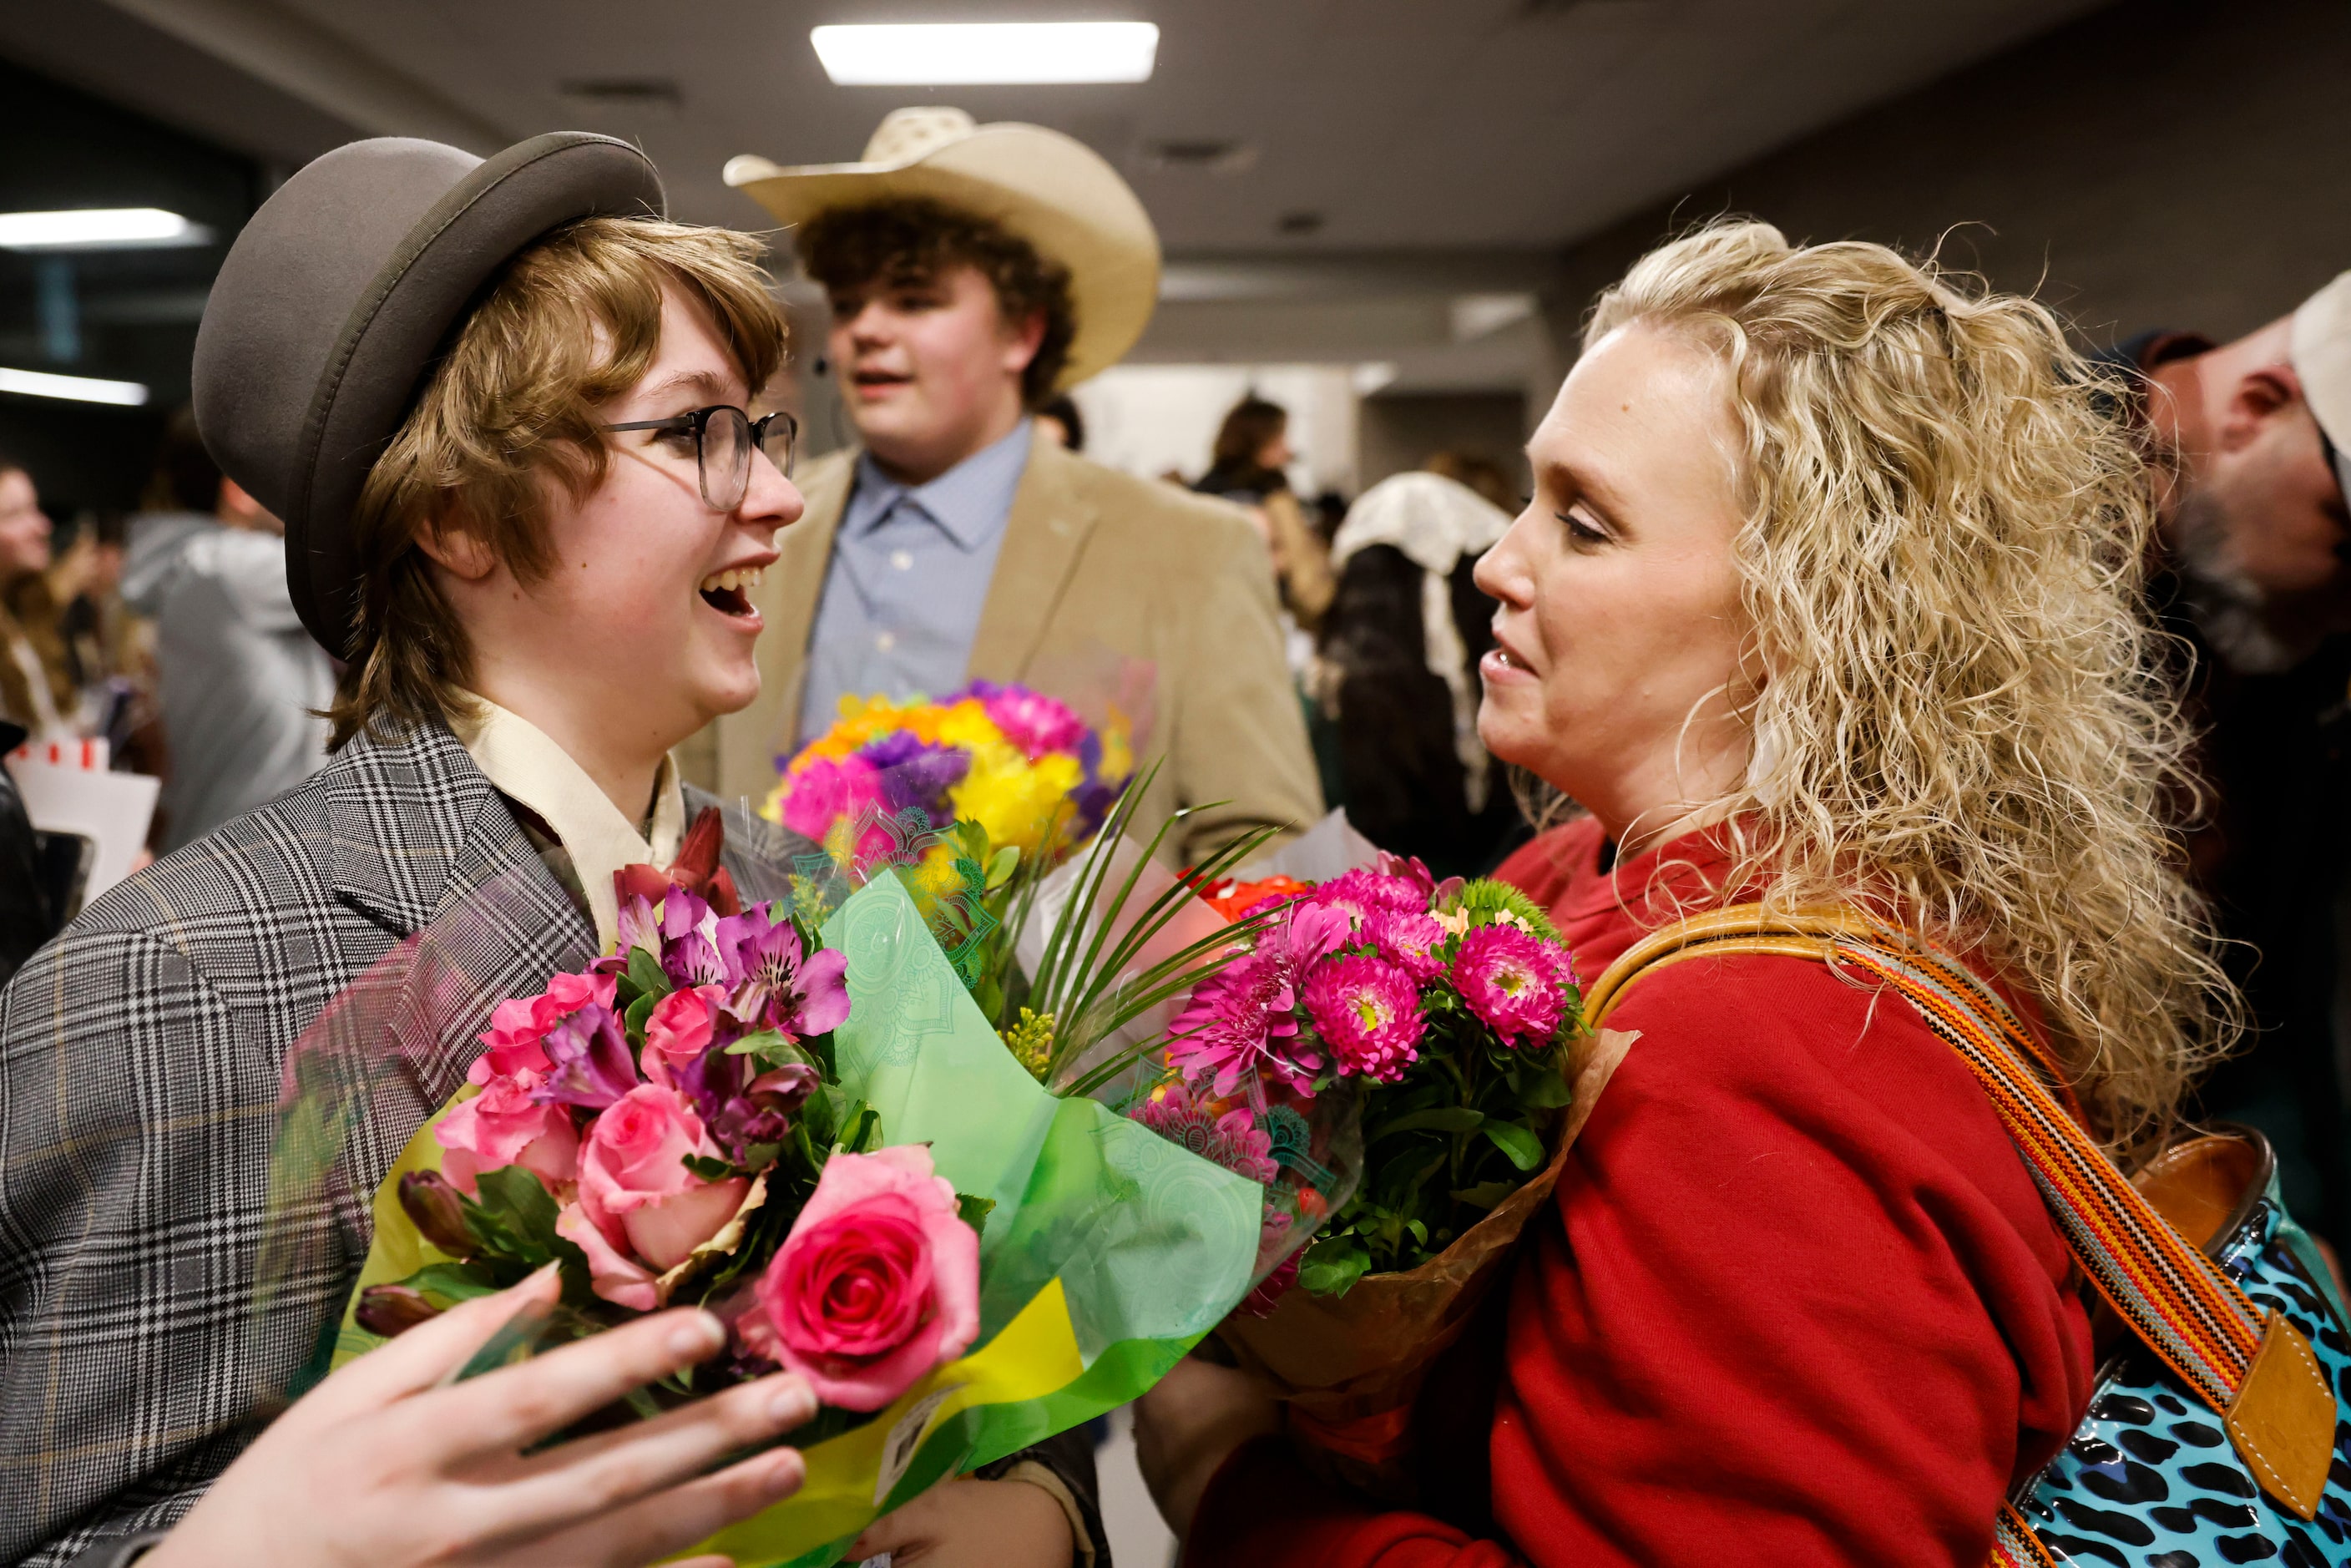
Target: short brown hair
[571,323]
[913,239]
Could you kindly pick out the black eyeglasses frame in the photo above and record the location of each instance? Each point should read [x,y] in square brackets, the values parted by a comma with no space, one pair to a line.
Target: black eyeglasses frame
[698,421]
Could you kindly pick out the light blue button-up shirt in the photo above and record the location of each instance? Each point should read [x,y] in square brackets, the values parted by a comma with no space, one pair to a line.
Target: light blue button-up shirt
[910,571]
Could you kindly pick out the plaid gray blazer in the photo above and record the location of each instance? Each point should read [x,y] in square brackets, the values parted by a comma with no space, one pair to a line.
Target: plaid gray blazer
[141,1059]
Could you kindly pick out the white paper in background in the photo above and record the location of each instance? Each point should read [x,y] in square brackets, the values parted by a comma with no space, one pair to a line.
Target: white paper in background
[112,811]
[1330,848]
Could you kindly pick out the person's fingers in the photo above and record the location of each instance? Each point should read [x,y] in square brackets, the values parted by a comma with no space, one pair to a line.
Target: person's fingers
[901,1528]
[609,1469]
[652,1528]
[517,1405]
[432,1350]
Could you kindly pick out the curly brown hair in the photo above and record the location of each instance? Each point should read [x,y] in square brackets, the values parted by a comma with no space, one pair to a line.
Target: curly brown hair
[912,240]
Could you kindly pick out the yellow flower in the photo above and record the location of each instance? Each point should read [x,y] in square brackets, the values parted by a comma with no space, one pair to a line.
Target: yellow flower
[1014,799]
[1030,1040]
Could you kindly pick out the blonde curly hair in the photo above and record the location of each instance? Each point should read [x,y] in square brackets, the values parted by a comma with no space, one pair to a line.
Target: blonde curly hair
[1962,715]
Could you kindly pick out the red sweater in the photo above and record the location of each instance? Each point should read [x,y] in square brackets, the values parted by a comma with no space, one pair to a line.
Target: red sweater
[1798,1300]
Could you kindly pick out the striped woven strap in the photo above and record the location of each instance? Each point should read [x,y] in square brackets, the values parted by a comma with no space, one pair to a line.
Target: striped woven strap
[2176,1300]
[2014,1545]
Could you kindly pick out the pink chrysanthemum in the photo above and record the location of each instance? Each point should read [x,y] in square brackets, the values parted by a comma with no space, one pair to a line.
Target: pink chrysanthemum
[824,789]
[1031,720]
[1368,1012]
[1411,941]
[1243,1019]
[1514,981]
[1363,893]
[1232,1140]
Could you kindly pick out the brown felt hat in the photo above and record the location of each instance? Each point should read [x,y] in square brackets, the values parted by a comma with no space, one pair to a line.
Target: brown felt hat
[340,294]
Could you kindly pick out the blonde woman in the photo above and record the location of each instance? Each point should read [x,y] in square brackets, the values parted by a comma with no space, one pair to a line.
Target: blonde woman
[1827,595]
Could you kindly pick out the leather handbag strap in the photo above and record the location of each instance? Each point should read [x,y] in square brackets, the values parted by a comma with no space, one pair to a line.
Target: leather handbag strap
[2179,1304]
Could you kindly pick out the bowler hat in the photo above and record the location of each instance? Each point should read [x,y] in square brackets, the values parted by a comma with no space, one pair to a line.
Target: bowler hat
[338,296]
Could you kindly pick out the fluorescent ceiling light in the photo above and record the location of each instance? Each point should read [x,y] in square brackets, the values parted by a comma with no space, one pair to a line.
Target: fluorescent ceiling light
[963,54]
[1371,377]
[80,389]
[95,228]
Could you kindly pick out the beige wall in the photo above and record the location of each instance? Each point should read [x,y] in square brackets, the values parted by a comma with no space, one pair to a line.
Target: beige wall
[2155,164]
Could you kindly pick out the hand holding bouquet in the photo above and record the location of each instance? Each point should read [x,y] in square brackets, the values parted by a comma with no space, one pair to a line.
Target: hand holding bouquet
[804,1122]
[1450,1009]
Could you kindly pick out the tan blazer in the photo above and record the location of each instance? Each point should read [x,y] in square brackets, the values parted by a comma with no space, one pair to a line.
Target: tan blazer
[1094,561]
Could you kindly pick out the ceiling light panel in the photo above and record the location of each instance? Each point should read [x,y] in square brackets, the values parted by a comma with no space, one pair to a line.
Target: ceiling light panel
[98,228]
[967,53]
[75,388]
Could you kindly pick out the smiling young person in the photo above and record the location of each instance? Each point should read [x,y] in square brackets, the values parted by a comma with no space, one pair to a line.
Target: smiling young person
[1828,595]
[500,408]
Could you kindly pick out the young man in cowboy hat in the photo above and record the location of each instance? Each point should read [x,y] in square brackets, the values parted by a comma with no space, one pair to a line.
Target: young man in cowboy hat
[501,408]
[974,272]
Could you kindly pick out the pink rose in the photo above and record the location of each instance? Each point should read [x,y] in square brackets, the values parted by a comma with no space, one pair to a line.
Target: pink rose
[635,1192]
[518,1027]
[617,1277]
[502,1126]
[877,1285]
[678,1031]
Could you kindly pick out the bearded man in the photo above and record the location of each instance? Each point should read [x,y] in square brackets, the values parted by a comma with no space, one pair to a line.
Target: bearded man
[2249,440]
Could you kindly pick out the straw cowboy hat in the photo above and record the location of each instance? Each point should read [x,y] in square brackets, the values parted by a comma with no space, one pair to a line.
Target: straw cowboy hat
[1051,190]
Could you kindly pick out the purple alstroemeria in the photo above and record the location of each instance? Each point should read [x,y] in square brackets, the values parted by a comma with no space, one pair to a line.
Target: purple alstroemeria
[690,954]
[784,987]
[639,926]
[589,1061]
[761,1112]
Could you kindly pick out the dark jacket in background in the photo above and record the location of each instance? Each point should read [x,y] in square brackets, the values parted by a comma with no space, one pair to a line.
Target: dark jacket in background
[27,907]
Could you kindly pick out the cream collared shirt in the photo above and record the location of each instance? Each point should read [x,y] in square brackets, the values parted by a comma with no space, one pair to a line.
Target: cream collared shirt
[518,758]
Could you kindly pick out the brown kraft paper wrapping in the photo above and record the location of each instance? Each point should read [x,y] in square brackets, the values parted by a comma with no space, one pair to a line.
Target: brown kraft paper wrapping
[1349,1368]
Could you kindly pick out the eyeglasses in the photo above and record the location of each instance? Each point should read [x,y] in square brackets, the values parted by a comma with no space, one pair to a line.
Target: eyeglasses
[724,439]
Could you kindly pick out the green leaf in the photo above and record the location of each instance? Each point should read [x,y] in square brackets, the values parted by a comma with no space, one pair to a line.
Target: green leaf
[1332,1265]
[645,974]
[453,1282]
[1486,1194]
[1001,866]
[708,1168]
[763,1044]
[1444,1119]
[974,1211]
[512,1214]
[634,1018]
[1525,1150]
[1545,1092]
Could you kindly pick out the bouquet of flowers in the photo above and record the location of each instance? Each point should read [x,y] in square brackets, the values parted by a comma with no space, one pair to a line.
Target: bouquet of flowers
[750,1103]
[1451,1008]
[1022,766]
